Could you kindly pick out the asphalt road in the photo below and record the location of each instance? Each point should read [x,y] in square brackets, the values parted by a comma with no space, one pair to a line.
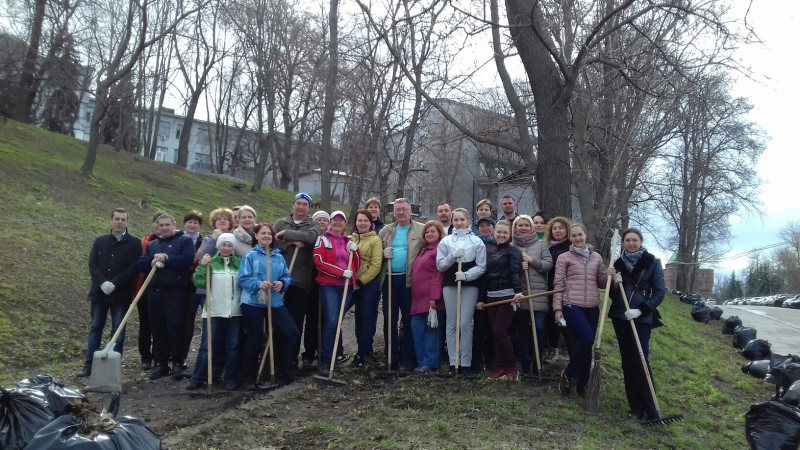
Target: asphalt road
[780,326]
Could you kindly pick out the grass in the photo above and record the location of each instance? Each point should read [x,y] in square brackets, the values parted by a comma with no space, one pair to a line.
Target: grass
[52,215]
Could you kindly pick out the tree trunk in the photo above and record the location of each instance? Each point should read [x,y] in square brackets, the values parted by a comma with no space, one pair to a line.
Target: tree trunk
[330,104]
[27,82]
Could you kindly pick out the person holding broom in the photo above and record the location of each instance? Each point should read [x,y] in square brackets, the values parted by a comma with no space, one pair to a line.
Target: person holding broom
[640,274]
[579,272]
[254,303]
[337,260]
[222,303]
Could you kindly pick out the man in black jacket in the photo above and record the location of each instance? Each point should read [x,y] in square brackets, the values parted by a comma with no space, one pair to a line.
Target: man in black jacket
[172,254]
[113,269]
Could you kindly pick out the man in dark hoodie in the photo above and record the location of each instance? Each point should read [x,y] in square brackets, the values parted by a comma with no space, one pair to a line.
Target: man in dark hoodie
[113,269]
[172,254]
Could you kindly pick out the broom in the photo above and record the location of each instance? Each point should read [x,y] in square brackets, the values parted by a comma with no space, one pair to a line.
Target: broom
[592,399]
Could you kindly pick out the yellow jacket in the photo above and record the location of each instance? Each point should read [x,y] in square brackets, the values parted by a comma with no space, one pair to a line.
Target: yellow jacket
[371,256]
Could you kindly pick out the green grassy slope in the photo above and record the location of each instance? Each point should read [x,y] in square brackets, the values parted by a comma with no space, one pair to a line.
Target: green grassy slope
[50,217]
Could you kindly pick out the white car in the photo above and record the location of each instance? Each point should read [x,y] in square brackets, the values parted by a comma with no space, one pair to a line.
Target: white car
[711,302]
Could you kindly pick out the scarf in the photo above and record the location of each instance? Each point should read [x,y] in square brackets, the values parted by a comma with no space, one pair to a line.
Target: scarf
[630,259]
[584,252]
[554,242]
[486,238]
[524,241]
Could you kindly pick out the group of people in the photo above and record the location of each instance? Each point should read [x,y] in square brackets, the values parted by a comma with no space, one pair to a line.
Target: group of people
[437,284]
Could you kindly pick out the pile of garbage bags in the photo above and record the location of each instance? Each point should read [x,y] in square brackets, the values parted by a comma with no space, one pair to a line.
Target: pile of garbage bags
[42,413]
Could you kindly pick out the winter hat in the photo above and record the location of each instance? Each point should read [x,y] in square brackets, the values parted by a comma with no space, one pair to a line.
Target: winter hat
[319,214]
[303,196]
[486,219]
[226,237]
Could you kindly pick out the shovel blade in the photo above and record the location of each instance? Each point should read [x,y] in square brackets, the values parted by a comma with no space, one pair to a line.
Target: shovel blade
[106,372]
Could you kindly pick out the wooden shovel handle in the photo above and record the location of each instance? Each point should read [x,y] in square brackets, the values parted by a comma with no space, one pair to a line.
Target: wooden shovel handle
[130,311]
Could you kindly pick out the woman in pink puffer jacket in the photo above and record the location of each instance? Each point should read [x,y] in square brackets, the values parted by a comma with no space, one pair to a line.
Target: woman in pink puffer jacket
[579,272]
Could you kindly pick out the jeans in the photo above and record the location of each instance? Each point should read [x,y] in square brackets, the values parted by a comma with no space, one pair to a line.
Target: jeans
[427,341]
[581,325]
[366,301]
[402,345]
[225,345]
[167,307]
[330,296]
[99,311]
[525,336]
[285,336]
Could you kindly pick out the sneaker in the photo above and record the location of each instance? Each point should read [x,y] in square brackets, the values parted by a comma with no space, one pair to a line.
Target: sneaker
[499,374]
[324,373]
[177,372]
[310,364]
[549,355]
[146,366]
[512,375]
[231,385]
[193,385]
[357,363]
[634,418]
[564,384]
[405,368]
[159,372]
[340,359]
[86,372]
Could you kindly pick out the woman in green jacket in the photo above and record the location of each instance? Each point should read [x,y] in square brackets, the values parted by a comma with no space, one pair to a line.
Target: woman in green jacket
[367,296]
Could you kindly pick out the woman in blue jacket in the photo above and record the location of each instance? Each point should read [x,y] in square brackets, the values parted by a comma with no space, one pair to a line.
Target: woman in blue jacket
[640,274]
[255,285]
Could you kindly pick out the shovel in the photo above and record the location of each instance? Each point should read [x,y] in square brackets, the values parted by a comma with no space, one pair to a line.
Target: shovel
[208,326]
[106,363]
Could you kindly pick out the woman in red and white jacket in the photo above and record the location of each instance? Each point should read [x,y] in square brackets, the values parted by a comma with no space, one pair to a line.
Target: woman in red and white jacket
[580,273]
[331,254]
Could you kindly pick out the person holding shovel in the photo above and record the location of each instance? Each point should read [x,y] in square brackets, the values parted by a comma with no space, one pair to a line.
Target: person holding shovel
[536,263]
[640,274]
[222,303]
[462,258]
[113,269]
[265,259]
[296,235]
[337,260]
[579,272]
[502,281]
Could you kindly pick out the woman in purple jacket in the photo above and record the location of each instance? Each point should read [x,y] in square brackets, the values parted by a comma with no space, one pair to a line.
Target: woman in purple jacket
[579,272]
[426,293]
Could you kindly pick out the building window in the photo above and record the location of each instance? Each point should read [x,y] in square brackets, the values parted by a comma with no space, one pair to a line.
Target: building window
[178,133]
[88,115]
[204,159]
[161,153]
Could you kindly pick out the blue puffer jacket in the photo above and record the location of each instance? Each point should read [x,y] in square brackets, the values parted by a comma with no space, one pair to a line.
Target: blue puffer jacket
[644,286]
[253,271]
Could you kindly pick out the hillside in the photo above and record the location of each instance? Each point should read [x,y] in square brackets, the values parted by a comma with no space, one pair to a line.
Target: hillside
[52,215]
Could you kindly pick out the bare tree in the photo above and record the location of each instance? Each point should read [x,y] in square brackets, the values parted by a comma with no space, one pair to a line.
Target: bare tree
[27,88]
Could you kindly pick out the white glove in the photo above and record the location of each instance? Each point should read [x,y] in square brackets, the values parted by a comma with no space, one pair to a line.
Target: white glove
[633,314]
[458,253]
[461,276]
[107,287]
[617,278]
[352,247]
[387,253]
[347,274]
[160,264]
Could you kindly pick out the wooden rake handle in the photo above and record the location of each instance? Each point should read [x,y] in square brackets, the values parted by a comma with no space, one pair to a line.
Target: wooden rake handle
[524,297]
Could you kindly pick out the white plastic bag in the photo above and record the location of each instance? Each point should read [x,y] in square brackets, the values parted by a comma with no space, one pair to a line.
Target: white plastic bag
[433,318]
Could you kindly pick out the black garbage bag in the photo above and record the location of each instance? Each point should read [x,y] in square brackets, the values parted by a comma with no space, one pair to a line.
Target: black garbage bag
[701,313]
[730,324]
[23,412]
[743,335]
[757,349]
[716,313]
[792,395]
[84,428]
[777,365]
[757,369]
[772,425]
[58,396]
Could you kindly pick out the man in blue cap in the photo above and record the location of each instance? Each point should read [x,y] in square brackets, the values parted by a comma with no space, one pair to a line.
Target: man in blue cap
[296,235]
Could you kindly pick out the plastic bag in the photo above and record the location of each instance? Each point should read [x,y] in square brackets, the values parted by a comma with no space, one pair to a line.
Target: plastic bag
[701,313]
[777,365]
[772,425]
[743,335]
[757,369]
[84,428]
[730,324]
[58,396]
[433,318]
[716,313]
[792,395]
[23,412]
[757,349]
